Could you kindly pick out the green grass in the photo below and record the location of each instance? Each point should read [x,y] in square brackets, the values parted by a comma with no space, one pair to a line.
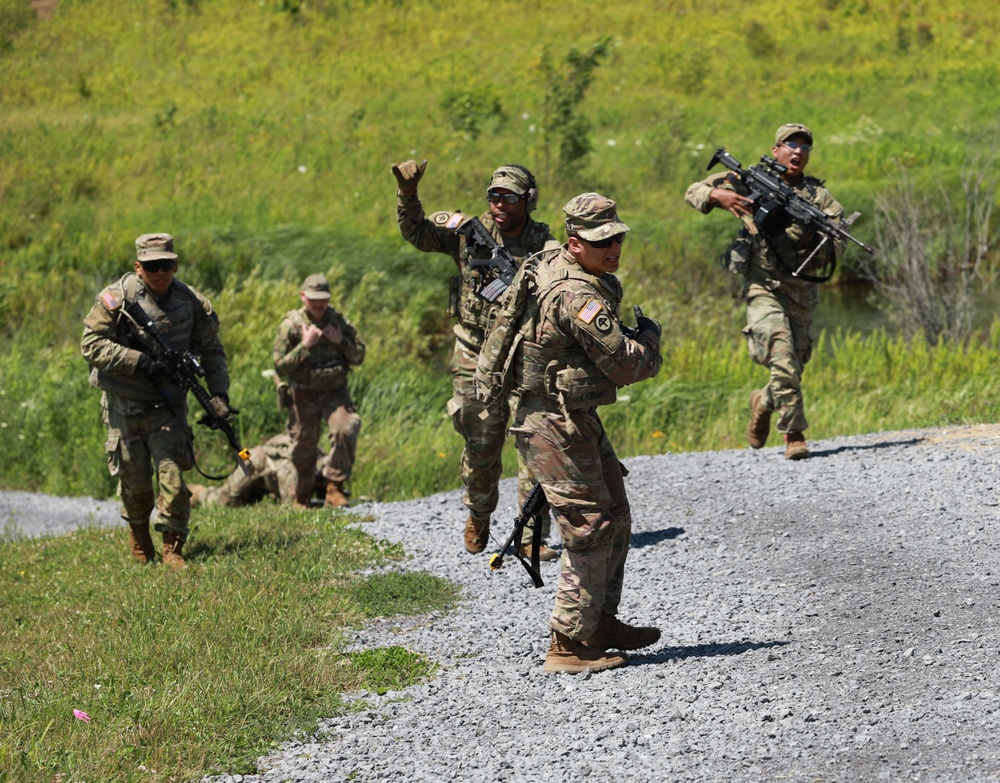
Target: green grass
[261,135]
[191,672]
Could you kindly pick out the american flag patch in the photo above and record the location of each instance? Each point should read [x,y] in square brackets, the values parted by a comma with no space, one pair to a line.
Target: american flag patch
[109,301]
[590,311]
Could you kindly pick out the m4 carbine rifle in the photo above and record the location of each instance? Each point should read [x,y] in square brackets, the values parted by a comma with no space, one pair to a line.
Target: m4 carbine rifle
[535,505]
[771,196]
[480,242]
[183,369]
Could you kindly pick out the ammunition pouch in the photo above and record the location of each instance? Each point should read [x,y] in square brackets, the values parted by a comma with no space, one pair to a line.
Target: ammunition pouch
[284,395]
[736,257]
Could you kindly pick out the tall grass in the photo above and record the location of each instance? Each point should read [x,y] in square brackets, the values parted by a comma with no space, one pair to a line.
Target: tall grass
[261,135]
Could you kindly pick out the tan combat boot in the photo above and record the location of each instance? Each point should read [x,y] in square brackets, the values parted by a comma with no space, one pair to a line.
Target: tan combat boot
[545,553]
[172,544]
[612,634]
[335,497]
[795,445]
[476,535]
[760,421]
[303,498]
[572,657]
[141,543]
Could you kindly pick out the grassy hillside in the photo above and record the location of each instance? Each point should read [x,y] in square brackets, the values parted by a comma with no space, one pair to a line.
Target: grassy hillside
[261,136]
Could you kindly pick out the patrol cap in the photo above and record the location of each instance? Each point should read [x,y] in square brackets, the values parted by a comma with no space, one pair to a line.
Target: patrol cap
[792,129]
[592,216]
[151,247]
[513,178]
[316,287]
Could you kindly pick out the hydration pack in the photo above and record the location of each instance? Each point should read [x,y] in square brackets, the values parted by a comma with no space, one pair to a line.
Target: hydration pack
[514,320]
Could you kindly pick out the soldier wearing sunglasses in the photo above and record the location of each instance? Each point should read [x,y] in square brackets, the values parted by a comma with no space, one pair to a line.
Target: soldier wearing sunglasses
[148,436]
[780,300]
[574,357]
[511,196]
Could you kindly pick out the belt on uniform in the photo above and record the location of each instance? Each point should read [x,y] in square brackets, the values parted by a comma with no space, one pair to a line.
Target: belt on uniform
[539,403]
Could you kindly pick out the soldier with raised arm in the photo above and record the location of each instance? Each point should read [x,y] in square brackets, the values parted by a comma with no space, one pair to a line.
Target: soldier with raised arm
[512,195]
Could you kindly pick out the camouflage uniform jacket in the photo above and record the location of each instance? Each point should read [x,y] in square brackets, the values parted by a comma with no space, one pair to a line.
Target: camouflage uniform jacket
[474,313]
[776,256]
[183,317]
[578,356]
[324,366]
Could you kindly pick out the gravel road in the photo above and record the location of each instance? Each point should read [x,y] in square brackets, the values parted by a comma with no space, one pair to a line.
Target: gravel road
[833,619]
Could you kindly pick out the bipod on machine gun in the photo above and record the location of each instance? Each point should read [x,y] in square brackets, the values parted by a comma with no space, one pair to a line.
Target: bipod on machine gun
[480,242]
[534,507]
[183,370]
[772,196]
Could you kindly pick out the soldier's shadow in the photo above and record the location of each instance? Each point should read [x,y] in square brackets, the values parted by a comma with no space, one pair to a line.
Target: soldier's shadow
[201,548]
[651,537]
[813,453]
[668,654]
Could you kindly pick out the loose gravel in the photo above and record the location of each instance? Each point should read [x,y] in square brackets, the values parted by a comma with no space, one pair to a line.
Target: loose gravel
[833,619]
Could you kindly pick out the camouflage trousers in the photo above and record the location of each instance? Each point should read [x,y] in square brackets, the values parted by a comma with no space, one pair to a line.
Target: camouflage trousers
[584,483]
[311,409]
[482,463]
[138,444]
[779,337]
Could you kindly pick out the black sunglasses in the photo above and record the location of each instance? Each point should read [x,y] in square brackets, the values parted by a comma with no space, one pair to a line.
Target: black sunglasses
[507,198]
[160,265]
[603,243]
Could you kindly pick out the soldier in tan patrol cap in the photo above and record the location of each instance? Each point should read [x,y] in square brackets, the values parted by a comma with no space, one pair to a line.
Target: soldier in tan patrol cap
[314,351]
[780,305]
[147,434]
[512,195]
[572,360]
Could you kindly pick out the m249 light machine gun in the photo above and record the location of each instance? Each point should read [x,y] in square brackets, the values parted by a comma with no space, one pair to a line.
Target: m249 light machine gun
[772,197]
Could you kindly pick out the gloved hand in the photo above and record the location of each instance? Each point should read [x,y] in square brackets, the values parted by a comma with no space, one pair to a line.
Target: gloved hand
[645,324]
[152,367]
[408,174]
[220,406]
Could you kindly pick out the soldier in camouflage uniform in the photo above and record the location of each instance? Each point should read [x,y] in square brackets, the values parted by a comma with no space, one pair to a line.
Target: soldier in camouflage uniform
[779,306]
[272,476]
[512,194]
[146,433]
[573,358]
[314,351]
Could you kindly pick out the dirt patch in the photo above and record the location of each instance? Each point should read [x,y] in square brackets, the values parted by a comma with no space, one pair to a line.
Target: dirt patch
[44,8]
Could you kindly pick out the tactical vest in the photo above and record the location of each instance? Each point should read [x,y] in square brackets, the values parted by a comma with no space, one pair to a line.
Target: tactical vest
[173,317]
[326,368]
[565,376]
[472,309]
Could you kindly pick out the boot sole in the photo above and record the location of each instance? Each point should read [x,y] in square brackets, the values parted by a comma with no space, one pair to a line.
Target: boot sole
[558,668]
